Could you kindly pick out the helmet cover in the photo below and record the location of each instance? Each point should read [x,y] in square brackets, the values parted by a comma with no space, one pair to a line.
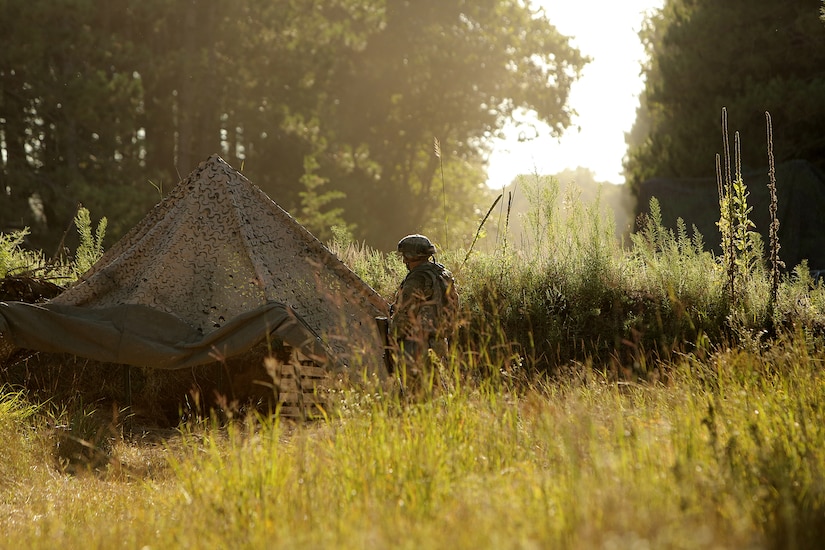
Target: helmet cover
[416,246]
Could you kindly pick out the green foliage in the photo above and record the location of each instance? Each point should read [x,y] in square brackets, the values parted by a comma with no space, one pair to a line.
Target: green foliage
[15,259]
[747,56]
[770,440]
[579,297]
[541,217]
[90,248]
[557,298]
[744,253]
[800,304]
[314,201]
[684,282]
[728,453]
[584,378]
[383,272]
[331,109]
[69,115]
[18,452]
[514,220]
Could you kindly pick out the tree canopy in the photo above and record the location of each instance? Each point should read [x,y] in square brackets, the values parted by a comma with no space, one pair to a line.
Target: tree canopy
[747,56]
[332,107]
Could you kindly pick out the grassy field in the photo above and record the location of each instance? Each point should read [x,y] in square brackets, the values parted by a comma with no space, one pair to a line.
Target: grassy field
[596,397]
[729,453]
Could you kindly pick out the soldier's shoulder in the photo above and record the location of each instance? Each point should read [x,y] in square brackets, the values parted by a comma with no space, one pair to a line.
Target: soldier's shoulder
[419,276]
[439,271]
[415,275]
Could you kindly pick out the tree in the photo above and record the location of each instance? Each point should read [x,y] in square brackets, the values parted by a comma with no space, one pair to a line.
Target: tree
[744,55]
[330,106]
[452,70]
[67,115]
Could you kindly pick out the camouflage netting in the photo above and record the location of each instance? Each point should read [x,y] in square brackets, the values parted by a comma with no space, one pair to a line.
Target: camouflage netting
[215,255]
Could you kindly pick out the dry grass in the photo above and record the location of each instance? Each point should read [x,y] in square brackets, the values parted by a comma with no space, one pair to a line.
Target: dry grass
[728,454]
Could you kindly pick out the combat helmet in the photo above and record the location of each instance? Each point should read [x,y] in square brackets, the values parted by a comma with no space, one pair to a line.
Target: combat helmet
[416,247]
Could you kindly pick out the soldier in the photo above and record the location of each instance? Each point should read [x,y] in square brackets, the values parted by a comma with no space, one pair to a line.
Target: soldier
[424,303]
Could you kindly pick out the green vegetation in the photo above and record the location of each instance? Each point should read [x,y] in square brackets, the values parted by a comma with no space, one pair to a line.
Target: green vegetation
[749,56]
[728,453]
[90,248]
[17,260]
[595,396]
[14,258]
[330,107]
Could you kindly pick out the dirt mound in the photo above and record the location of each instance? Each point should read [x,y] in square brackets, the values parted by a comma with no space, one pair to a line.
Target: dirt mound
[27,289]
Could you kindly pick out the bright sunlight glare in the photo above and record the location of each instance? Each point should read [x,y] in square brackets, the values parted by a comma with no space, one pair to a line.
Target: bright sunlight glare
[605,98]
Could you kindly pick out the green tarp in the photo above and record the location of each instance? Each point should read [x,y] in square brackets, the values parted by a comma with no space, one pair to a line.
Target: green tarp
[133,334]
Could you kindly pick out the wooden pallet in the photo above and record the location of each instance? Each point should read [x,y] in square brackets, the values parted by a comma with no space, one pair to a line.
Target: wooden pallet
[300,386]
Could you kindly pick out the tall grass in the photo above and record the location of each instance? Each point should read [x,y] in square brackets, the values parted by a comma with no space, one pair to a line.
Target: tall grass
[594,396]
[572,293]
[728,454]
[17,454]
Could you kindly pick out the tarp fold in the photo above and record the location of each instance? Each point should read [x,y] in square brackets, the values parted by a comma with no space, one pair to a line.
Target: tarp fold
[134,334]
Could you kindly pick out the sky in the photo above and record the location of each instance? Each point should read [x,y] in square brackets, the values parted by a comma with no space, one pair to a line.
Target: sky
[605,97]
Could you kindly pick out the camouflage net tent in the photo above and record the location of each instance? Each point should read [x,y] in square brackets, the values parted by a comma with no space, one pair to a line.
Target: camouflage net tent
[800,189]
[217,271]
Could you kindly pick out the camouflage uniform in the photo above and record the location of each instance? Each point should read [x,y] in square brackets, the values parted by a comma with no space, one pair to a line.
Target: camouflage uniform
[414,322]
[417,315]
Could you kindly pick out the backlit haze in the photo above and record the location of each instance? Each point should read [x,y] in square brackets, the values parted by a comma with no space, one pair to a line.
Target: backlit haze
[605,98]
